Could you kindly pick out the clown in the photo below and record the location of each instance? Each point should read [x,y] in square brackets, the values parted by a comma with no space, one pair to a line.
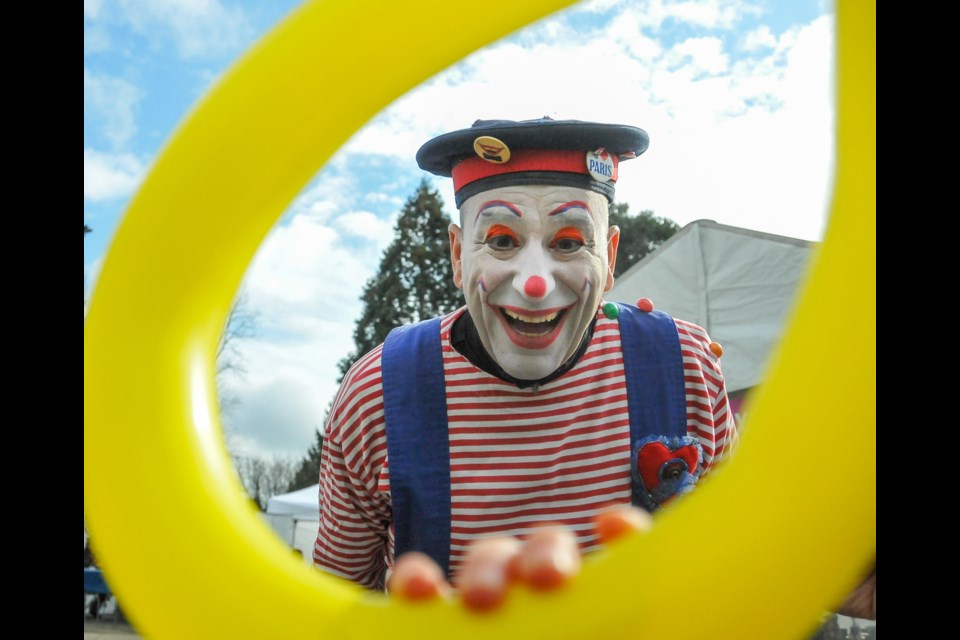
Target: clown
[533,262]
[450,446]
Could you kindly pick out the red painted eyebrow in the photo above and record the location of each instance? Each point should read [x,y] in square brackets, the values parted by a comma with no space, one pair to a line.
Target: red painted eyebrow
[498,203]
[568,233]
[574,204]
[500,230]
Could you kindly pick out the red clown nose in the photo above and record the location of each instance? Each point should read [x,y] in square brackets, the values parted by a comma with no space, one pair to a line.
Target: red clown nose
[535,287]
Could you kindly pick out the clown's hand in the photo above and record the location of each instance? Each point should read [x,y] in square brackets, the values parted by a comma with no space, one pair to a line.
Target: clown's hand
[546,560]
[862,602]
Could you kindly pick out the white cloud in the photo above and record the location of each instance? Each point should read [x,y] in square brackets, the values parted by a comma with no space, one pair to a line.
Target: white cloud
[276,419]
[197,27]
[365,225]
[704,55]
[627,33]
[507,81]
[111,101]
[329,193]
[709,14]
[751,149]
[376,197]
[809,53]
[747,143]
[303,267]
[304,285]
[704,14]
[109,176]
[759,38]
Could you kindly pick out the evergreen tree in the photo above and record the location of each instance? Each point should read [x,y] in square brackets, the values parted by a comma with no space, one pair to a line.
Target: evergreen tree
[639,235]
[308,473]
[415,278]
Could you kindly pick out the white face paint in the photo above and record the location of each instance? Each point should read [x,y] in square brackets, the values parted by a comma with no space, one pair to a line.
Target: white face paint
[533,262]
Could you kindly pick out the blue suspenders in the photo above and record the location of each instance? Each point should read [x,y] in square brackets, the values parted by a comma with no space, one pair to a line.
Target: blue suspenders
[656,394]
[415,410]
[418,446]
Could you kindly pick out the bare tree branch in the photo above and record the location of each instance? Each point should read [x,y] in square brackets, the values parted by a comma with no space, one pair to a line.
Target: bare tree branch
[241,325]
[265,477]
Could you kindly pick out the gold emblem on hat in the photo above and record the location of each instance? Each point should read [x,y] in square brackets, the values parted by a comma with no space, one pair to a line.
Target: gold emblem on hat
[491,149]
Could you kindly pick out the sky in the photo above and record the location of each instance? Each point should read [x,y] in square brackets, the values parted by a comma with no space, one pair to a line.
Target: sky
[736,95]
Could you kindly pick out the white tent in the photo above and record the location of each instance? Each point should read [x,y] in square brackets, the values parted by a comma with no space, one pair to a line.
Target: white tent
[303,503]
[295,517]
[738,284]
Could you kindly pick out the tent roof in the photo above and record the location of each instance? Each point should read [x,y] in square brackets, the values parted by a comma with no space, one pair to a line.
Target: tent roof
[302,502]
[738,284]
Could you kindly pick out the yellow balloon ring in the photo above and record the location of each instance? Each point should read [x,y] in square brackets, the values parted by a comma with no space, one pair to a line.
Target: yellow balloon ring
[763,547]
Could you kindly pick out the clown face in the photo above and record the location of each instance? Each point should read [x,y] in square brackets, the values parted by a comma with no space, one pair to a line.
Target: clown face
[533,262]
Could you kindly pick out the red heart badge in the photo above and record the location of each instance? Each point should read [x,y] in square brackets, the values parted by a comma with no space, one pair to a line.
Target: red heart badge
[652,457]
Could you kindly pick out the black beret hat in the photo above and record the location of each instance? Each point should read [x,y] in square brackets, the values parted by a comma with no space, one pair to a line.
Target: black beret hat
[496,153]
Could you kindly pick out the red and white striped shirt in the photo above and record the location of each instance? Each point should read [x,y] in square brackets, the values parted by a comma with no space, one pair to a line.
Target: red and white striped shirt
[518,457]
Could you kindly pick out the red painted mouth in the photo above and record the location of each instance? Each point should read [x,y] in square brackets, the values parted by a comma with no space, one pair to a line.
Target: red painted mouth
[532,329]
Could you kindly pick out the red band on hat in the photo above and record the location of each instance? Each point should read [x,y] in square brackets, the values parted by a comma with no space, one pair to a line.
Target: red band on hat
[523,160]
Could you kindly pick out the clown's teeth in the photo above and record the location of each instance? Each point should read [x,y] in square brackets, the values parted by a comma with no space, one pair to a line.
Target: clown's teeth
[532,319]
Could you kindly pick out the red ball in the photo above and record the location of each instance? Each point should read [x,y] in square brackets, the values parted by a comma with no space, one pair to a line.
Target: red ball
[645,305]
